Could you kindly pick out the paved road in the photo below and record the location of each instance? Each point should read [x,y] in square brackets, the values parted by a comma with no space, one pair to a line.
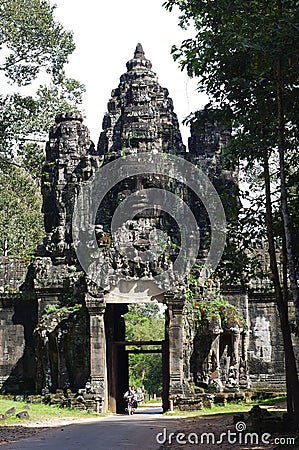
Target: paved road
[118,432]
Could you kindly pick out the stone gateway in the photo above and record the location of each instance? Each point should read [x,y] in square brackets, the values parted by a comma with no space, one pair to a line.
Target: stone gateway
[62,330]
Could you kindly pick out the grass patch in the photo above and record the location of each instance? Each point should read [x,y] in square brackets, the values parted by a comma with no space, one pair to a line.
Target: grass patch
[151,402]
[229,408]
[39,412]
[269,401]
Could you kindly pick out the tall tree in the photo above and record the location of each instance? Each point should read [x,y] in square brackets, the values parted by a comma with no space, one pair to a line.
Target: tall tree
[246,56]
[283,80]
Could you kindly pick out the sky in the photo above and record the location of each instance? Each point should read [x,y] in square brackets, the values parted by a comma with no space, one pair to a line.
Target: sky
[106,34]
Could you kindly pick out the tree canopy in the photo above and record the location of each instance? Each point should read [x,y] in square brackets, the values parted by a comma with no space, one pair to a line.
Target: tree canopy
[31,40]
[235,53]
[21,225]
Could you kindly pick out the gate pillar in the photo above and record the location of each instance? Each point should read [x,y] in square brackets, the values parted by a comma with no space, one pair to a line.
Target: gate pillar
[174,330]
[98,370]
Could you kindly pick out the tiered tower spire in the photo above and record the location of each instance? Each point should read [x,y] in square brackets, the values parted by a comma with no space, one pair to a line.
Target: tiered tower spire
[140,113]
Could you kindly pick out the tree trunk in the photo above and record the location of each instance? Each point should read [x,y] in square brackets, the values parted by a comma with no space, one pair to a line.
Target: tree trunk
[282,306]
[5,248]
[284,197]
[286,299]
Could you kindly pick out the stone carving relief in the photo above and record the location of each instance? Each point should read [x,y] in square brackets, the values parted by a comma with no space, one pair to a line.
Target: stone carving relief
[262,336]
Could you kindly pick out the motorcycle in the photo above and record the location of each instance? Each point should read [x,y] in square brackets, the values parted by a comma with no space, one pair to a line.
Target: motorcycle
[130,406]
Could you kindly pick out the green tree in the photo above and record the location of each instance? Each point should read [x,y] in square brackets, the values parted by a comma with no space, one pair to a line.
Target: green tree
[145,323]
[21,223]
[246,56]
[32,41]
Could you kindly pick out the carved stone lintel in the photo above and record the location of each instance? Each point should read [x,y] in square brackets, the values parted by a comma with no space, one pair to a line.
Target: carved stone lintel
[174,302]
[95,305]
[97,385]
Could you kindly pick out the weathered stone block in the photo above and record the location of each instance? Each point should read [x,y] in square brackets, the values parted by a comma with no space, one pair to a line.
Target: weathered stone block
[23,415]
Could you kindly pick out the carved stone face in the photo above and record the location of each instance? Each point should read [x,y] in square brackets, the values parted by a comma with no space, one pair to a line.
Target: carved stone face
[140,201]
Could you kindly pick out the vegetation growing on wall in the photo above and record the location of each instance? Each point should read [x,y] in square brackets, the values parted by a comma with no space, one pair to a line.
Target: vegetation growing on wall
[211,309]
[54,315]
[218,311]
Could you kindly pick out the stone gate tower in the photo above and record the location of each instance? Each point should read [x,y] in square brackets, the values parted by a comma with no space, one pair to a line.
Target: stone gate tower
[68,331]
[140,118]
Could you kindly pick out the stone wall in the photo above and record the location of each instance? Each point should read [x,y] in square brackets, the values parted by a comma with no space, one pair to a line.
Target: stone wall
[12,273]
[17,321]
[12,342]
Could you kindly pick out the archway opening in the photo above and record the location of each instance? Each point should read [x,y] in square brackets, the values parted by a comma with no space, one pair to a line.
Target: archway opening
[137,352]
